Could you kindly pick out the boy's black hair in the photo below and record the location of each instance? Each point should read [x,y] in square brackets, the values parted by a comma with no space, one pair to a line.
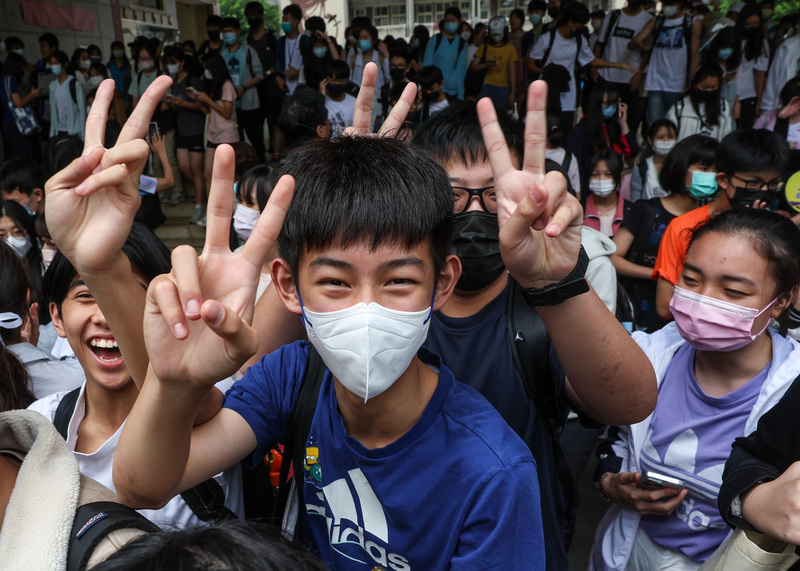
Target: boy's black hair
[364,189]
[454,135]
[400,53]
[752,150]
[245,157]
[300,116]
[453,10]
[240,545]
[260,178]
[573,12]
[429,75]
[254,8]
[50,39]
[598,14]
[147,253]
[23,175]
[361,21]
[337,69]
[12,42]
[294,11]
[315,24]
[537,6]
[695,149]
[214,20]
[231,22]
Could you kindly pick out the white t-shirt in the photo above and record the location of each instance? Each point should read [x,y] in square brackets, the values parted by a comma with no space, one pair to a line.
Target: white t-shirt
[434,108]
[793,135]
[617,50]
[99,466]
[340,113]
[563,54]
[746,80]
[668,60]
[62,94]
[293,58]
[573,174]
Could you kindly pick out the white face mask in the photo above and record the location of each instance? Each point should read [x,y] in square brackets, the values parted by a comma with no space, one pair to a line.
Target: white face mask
[669,11]
[465,35]
[47,256]
[95,80]
[86,64]
[244,219]
[207,75]
[367,347]
[602,188]
[173,68]
[663,147]
[147,65]
[497,38]
[20,245]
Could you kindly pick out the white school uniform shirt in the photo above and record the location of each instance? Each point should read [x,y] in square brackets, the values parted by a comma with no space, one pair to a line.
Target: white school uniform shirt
[563,54]
[616,49]
[746,81]
[293,58]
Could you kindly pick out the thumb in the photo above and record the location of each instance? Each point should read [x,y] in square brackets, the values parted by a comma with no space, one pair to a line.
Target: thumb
[241,340]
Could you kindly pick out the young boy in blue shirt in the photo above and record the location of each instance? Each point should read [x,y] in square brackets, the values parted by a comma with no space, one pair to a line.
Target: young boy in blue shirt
[364,259]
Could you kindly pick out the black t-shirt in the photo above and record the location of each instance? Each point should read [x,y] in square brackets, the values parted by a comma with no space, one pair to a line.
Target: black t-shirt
[637,215]
[265,48]
[189,121]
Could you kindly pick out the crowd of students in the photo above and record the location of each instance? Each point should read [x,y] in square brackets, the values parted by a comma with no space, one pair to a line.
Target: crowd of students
[483,289]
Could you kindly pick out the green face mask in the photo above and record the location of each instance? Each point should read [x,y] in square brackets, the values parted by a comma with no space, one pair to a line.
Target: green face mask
[704,184]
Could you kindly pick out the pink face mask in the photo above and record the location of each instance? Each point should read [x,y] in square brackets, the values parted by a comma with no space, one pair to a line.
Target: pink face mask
[710,324]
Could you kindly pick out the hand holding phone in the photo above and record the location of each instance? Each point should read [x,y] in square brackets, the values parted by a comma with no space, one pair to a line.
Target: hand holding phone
[654,481]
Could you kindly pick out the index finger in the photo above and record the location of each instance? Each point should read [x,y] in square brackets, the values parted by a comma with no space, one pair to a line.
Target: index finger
[536,129]
[269,223]
[362,116]
[96,121]
[494,139]
[400,111]
[220,203]
[136,125]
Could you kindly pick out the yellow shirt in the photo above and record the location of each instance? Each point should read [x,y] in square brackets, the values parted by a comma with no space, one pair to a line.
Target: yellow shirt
[506,55]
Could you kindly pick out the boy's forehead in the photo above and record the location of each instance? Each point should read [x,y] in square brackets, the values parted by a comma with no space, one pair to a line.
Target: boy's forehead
[363,253]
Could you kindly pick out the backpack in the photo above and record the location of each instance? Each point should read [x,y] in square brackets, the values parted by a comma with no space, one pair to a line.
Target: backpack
[687,37]
[93,522]
[206,500]
[461,44]
[530,349]
[613,17]
[579,39]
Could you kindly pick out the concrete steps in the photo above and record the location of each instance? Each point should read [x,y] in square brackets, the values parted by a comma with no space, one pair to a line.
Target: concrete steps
[177,230]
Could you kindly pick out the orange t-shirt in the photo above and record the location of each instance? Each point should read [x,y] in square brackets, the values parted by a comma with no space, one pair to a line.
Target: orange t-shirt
[675,242]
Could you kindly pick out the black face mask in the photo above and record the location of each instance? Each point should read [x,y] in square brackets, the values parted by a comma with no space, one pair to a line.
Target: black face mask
[744,197]
[476,242]
[752,32]
[213,36]
[397,74]
[431,96]
[335,90]
[552,11]
[254,22]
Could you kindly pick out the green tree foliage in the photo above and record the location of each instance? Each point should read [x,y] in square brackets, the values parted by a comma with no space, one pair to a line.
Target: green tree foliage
[235,9]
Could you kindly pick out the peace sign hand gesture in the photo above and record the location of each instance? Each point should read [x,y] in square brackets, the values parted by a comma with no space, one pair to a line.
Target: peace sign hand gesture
[362,116]
[91,203]
[540,222]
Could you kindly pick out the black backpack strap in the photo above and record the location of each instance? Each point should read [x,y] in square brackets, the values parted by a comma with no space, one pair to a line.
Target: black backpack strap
[612,21]
[543,61]
[64,412]
[530,348]
[300,426]
[565,164]
[658,25]
[207,502]
[72,91]
[438,42]
[93,522]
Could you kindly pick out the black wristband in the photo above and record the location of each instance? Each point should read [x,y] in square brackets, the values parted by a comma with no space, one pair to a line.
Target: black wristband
[573,284]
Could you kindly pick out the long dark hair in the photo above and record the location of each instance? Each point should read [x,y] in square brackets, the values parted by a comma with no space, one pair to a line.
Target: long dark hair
[33,258]
[725,38]
[713,104]
[214,63]
[753,43]
[602,133]
[126,62]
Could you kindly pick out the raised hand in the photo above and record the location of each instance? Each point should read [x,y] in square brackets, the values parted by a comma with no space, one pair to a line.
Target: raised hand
[197,319]
[92,202]
[362,116]
[540,222]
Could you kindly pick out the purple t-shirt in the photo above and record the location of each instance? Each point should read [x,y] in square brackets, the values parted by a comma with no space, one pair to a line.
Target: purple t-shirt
[690,438]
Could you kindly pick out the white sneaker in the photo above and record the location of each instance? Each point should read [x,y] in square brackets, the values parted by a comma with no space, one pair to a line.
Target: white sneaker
[176,198]
[202,221]
[199,212]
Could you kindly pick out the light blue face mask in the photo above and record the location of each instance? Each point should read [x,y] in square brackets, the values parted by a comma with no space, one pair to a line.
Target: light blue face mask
[725,53]
[320,52]
[55,69]
[535,19]
[229,38]
[609,111]
[20,52]
[286,27]
[451,27]
[365,45]
[704,184]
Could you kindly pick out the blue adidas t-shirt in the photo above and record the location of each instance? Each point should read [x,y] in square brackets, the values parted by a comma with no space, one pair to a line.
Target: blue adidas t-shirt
[477,350]
[459,490]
